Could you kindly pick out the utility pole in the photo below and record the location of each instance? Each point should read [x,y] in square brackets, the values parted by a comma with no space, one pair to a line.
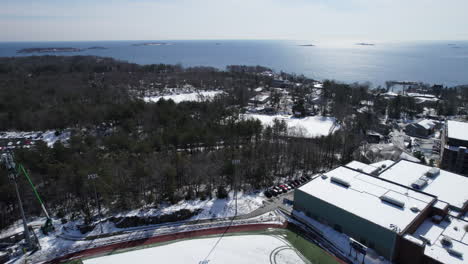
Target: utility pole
[93,177]
[7,159]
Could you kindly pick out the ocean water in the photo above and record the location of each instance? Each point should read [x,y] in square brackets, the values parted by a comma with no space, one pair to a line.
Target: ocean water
[430,62]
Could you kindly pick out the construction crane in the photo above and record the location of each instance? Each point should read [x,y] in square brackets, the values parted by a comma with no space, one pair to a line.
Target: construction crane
[7,159]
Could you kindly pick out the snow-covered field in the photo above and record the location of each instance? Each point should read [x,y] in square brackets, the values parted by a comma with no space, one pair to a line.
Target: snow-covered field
[260,249]
[311,126]
[177,98]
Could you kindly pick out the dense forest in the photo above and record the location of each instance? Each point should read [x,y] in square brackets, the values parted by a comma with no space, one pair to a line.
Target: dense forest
[148,153]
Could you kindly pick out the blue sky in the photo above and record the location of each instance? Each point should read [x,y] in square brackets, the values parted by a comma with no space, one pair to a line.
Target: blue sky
[314,20]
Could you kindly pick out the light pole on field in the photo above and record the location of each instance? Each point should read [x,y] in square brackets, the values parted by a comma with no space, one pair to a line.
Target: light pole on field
[93,177]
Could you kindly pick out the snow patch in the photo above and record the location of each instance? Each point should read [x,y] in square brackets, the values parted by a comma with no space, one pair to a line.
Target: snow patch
[311,126]
[177,98]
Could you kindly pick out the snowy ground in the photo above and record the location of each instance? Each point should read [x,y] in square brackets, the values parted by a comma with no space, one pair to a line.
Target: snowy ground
[261,249]
[214,208]
[59,244]
[67,238]
[177,98]
[311,126]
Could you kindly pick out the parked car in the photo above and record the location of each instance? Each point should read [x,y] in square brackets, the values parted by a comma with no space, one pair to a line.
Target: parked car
[268,194]
[284,188]
[277,190]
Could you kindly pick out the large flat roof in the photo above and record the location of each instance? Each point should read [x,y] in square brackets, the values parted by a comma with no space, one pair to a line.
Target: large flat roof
[457,130]
[447,186]
[362,197]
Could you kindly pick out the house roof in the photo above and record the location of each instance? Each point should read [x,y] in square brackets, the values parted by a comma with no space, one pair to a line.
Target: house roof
[457,130]
[427,123]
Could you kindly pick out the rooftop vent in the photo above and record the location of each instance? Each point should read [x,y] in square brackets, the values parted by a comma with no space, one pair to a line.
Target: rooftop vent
[415,209]
[324,176]
[446,241]
[392,200]
[340,181]
[433,172]
[419,184]
[436,219]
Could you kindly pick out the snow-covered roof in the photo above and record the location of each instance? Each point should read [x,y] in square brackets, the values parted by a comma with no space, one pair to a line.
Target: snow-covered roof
[454,230]
[369,169]
[261,97]
[421,95]
[318,85]
[457,130]
[447,186]
[365,197]
[383,163]
[427,123]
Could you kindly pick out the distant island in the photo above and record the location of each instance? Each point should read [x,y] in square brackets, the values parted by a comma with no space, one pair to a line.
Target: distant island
[365,44]
[307,45]
[96,48]
[152,44]
[48,50]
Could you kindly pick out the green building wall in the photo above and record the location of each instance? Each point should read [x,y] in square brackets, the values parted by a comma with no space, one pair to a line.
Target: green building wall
[368,233]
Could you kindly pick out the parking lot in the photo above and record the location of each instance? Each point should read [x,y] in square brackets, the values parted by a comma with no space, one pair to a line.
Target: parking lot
[287,186]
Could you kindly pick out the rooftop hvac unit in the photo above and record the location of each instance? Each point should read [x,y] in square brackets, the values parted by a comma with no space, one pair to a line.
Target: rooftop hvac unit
[454,252]
[433,172]
[375,172]
[392,200]
[340,181]
[425,239]
[419,184]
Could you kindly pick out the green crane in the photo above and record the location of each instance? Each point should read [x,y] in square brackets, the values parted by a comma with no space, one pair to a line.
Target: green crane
[14,171]
[47,226]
